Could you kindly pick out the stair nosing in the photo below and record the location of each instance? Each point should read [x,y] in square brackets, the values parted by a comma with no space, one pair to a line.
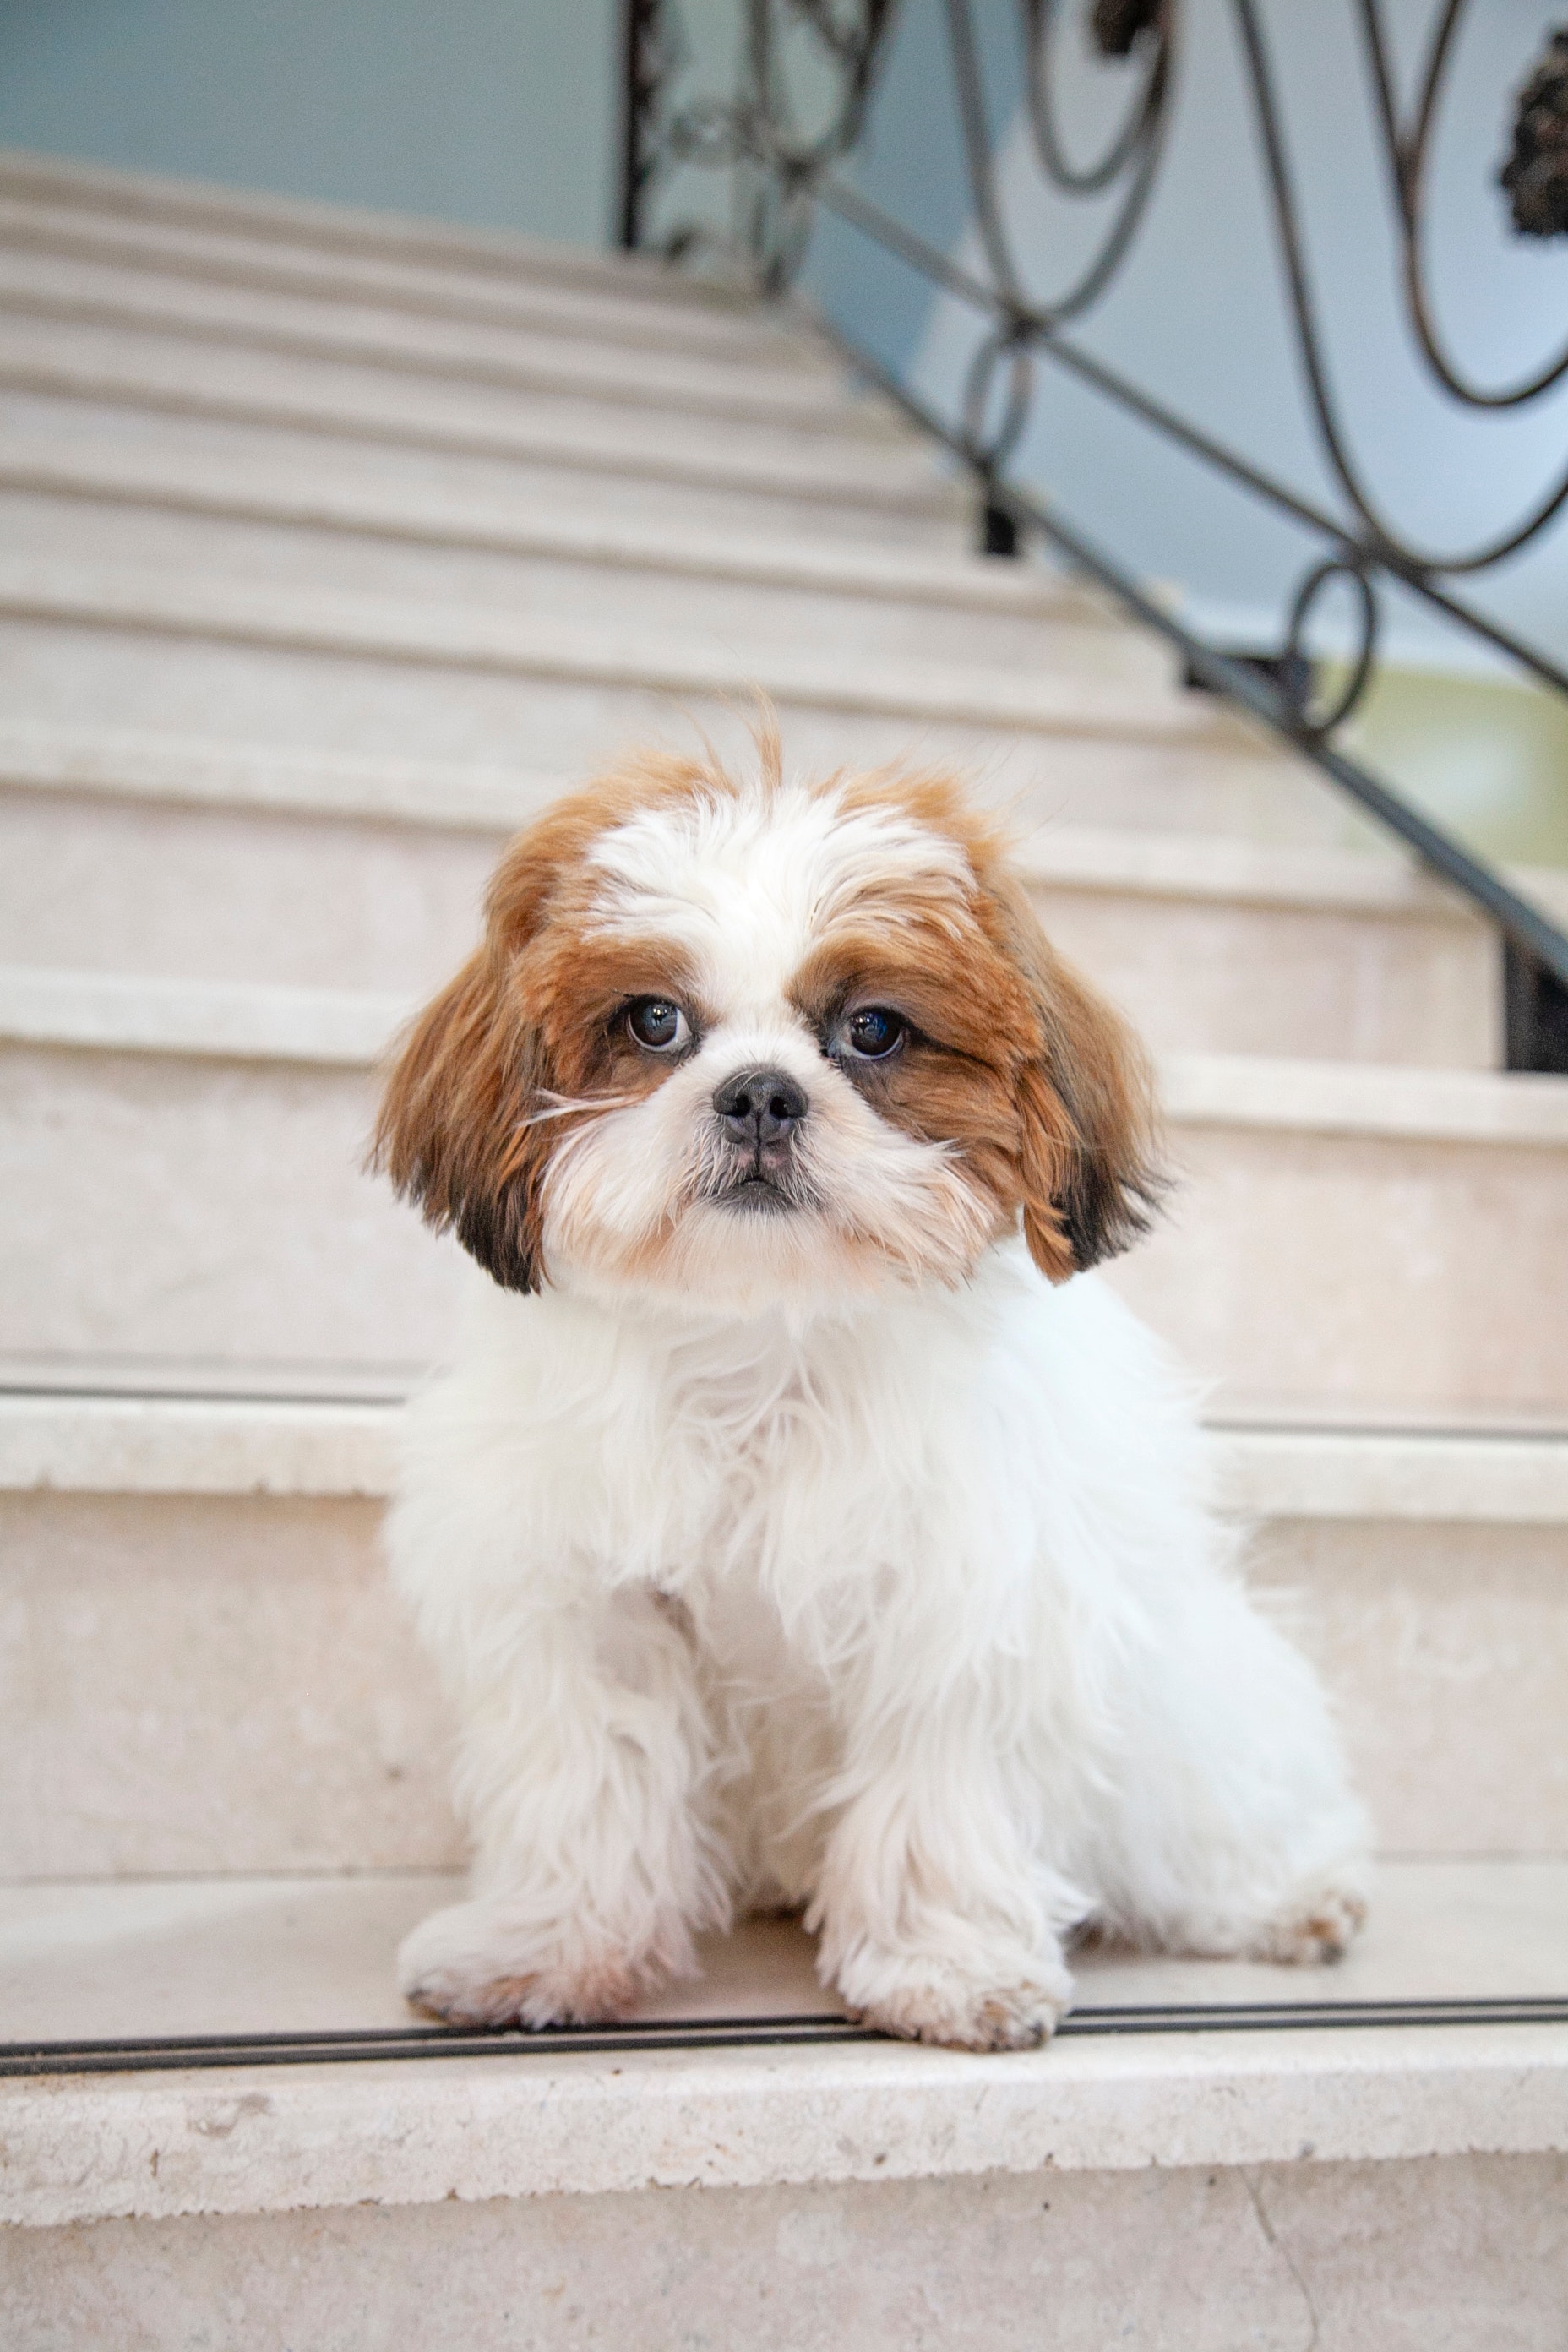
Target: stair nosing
[96,199]
[618,318]
[260,2139]
[931,496]
[215,775]
[830,413]
[487,639]
[272,496]
[132,1442]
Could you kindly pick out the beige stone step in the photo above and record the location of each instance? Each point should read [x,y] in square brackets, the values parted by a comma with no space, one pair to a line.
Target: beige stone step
[1255,799]
[221,237]
[1347,1237]
[491,447]
[130,506]
[608,476]
[206,1671]
[127,1959]
[162,859]
[260,664]
[335,402]
[747,385]
[1357,2187]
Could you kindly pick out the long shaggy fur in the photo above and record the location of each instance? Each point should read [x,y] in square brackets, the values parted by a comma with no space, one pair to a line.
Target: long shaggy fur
[800,1525]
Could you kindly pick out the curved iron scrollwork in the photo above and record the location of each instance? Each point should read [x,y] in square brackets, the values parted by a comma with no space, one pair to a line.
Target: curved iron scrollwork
[756,130]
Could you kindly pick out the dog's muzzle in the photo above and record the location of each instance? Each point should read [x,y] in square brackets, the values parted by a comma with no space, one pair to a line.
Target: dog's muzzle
[760,1113]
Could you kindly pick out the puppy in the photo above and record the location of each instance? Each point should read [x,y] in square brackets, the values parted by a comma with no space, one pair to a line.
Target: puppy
[802,1527]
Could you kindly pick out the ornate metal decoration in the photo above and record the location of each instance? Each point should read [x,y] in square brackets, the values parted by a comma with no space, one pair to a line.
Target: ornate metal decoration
[755,131]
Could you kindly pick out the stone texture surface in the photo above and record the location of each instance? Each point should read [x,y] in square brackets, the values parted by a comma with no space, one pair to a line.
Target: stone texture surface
[255,2138]
[210,1686]
[206,1210]
[101,1959]
[222,1683]
[1446,2255]
[274,525]
[1364,1274]
[1447,1651]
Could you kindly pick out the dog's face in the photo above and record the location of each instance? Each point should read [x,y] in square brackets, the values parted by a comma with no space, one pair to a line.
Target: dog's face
[738,1045]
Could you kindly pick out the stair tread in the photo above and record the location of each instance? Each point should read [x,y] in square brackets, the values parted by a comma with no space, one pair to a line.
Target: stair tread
[552,356]
[489,637]
[184,1955]
[233,236]
[210,772]
[382,410]
[321,496]
[136,1441]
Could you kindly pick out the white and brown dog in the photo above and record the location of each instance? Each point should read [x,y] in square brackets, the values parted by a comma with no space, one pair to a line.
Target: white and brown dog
[799,1527]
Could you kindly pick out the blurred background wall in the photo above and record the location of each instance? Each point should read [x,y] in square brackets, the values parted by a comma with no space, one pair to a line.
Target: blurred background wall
[499,113]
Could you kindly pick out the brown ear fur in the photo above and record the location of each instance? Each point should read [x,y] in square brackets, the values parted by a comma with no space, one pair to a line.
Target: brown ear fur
[457,1130]
[452,1133]
[1089,1164]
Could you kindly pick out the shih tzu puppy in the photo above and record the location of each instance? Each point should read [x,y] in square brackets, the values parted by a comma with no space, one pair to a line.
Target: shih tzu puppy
[802,1527]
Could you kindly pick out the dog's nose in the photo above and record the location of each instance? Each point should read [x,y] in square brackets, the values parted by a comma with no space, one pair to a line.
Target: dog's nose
[759,1107]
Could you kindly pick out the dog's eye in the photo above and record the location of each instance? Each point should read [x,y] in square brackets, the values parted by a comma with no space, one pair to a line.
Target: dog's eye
[871,1035]
[658,1025]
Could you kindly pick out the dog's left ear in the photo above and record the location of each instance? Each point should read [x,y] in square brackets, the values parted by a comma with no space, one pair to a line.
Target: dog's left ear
[1089,1157]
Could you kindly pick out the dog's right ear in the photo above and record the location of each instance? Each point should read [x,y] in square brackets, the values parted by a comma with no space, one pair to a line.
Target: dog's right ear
[454,1133]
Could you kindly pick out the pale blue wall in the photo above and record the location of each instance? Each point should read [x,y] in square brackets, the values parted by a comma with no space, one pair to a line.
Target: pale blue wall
[500,112]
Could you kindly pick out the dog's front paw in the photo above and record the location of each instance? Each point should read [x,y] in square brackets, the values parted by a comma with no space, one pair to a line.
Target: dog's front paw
[476,1965]
[926,1999]
[1319,1927]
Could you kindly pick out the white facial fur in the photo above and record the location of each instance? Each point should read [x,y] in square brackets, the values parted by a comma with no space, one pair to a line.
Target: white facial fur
[743,890]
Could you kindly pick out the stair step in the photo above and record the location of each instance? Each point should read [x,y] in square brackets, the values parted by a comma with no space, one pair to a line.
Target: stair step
[423,269]
[266,615]
[600,474]
[139,509]
[230,1686]
[179,859]
[1308,2177]
[1260,801]
[744,387]
[341,400]
[186,1158]
[138,1959]
[88,645]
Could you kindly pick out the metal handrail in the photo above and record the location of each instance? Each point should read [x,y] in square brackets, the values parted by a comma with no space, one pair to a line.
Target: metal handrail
[791,176]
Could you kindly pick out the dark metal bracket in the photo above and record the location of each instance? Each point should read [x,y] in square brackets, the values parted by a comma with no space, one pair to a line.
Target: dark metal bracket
[1535,1014]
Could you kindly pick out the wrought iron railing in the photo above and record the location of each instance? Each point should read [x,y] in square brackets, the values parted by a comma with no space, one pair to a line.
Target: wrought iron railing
[742,127]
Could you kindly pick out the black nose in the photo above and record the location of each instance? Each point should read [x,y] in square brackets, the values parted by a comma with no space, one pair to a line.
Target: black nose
[759,1107]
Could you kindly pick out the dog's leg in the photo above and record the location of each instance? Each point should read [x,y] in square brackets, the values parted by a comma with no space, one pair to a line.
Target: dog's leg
[581,1747]
[1238,1835]
[937,1922]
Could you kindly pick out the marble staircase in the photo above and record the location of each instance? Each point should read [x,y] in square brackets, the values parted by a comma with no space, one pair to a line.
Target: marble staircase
[330,548]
